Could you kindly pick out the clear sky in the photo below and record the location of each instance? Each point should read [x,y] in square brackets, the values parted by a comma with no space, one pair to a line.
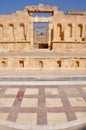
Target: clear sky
[11,6]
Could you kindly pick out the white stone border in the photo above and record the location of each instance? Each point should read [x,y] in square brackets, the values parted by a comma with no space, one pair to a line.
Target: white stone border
[72,125]
[42,82]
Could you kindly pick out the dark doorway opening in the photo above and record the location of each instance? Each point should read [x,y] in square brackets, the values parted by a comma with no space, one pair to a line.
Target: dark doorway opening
[42,45]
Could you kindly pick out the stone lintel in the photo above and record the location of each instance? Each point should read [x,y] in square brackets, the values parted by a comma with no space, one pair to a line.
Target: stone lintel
[41,8]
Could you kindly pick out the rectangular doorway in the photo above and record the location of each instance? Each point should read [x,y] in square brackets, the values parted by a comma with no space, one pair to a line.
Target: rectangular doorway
[41,35]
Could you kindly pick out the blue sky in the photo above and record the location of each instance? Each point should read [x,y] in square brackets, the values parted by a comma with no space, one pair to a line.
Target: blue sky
[11,6]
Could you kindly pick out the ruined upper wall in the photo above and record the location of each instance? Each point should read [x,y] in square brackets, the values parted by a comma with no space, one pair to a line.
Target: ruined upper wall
[76,12]
[19,26]
[41,9]
[44,9]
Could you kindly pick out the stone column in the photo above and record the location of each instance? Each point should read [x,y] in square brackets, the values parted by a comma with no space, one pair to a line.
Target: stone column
[5,32]
[84,32]
[58,31]
[78,38]
[49,33]
[31,35]
[28,31]
[65,34]
[34,35]
[73,32]
[55,33]
[16,32]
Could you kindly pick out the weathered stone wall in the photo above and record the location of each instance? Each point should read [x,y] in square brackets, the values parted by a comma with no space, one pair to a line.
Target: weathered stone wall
[70,29]
[34,63]
[15,32]
[14,46]
[67,33]
[69,46]
[19,27]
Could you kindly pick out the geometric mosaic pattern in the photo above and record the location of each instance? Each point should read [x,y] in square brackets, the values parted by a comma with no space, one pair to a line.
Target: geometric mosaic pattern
[42,104]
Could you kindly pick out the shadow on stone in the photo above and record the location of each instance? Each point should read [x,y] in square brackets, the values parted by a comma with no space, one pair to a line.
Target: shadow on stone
[83,128]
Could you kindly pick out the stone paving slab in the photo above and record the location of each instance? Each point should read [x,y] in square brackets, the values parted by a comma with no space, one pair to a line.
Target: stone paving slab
[42,104]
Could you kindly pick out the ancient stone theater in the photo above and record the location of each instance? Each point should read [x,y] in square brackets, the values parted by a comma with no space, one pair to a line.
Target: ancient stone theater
[43,38]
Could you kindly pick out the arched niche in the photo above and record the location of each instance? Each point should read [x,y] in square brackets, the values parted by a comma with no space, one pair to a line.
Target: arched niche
[11,30]
[1,31]
[41,64]
[59,31]
[76,64]
[3,64]
[22,31]
[21,63]
[70,30]
[59,63]
[80,29]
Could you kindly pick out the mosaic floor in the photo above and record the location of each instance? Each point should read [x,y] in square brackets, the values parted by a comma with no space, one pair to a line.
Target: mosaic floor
[42,104]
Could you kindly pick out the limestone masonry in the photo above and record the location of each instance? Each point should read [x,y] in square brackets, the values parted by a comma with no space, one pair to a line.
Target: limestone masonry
[43,38]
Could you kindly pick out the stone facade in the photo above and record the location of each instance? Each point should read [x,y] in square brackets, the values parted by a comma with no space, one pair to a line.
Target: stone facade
[61,45]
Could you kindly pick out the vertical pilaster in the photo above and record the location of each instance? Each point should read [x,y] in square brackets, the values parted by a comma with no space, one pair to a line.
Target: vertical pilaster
[49,33]
[55,36]
[84,32]
[28,31]
[31,35]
